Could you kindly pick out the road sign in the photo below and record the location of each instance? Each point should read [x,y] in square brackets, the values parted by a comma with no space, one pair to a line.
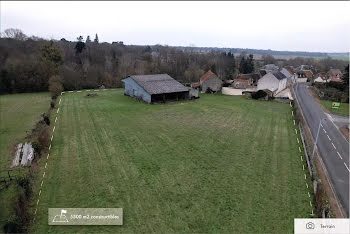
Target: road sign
[335,104]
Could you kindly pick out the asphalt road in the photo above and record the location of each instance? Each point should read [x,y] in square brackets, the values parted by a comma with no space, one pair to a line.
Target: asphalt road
[333,147]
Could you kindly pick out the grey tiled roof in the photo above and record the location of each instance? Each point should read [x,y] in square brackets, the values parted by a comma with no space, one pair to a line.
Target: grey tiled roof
[279,75]
[159,83]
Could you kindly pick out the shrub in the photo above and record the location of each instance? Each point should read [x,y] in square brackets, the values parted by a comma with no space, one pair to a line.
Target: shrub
[25,184]
[37,147]
[43,136]
[259,94]
[55,86]
[46,119]
[12,226]
[52,104]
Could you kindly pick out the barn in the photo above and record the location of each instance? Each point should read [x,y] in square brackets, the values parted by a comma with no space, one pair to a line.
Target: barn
[155,88]
[210,82]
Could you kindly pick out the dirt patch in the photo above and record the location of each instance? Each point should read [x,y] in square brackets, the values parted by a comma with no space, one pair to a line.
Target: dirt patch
[345,131]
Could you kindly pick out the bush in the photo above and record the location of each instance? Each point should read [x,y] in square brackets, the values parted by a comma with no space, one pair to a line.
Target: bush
[259,94]
[46,119]
[43,136]
[37,147]
[52,104]
[55,86]
[25,184]
[12,226]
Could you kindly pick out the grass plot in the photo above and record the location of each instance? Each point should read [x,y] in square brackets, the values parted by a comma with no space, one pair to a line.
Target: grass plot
[216,164]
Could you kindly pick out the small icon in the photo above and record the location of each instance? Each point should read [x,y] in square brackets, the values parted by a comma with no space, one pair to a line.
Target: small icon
[310,225]
[60,218]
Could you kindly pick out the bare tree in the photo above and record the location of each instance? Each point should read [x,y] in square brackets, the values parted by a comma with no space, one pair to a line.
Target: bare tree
[14,33]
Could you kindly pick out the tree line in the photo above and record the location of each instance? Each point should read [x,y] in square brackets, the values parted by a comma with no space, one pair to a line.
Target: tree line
[32,64]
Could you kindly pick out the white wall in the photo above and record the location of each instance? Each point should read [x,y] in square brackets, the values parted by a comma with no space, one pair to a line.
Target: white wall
[231,91]
[269,82]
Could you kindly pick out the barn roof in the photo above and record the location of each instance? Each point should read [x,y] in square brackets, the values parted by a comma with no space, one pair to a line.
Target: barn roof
[159,83]
[308,73]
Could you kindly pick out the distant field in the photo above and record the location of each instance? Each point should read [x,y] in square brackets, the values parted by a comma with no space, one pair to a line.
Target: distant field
[216,164]
[18,114]
[342,110]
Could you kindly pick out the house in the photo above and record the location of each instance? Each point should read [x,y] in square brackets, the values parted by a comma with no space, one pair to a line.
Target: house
[291,77]
[321,78]
[240,83]
[253,77]
[209,82]
[335,73]
[308,74]
[268,68]
[154,88]
[273,81]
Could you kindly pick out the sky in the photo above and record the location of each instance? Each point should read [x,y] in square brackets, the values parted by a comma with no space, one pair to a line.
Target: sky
[292,26]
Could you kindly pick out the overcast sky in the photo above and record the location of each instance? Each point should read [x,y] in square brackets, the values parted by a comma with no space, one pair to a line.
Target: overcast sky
[301,26]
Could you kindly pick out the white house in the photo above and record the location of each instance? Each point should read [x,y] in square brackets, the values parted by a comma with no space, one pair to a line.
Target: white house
[273,81]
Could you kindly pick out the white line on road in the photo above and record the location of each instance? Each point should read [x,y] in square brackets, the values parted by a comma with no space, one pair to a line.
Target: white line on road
[50,147]
[298,140]
[339,155]
[308,194]
[96,90]
[53,130]
[39,192]
[303,167]
[79,91]
[44,174]
[45,165]
[324,131]
[37,202]
[51,137]
[88,90]
[321,125]
[333,146]
[56,119]
[42,183]
[70,91]
[36,209]
[47,156]
[58,110]
[305,176]
[59,101]
[328,137]
[307,186]
[292,113]
[294,121]
[310,204]
[301,158]
[290,103]
[346,167]
[299,149]
[296,132]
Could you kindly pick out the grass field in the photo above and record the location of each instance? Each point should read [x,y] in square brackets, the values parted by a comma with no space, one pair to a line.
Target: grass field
[216,164]
[342,110]
[18,114]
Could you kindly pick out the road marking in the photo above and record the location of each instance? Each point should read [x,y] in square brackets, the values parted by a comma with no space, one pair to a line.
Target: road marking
[346,167]
[50,147]
[51,137]
[58,110]
[36,209]
[308,194]
[307,186]
[79,91]
[321,125]
[96,90]
[310,204]
[39,192]
[47,156]
[298,140]
[292,113]
[56,119]
[328,137]
[44,174]
[88,90]
[37,202]
[333,146]
[45,165]
[70,91]
[290,103]
[339,155]
[59,101]
[301,158]
[324,131]
[42,183]
[294,121]
[312,212]
[296,132]
[53,130]
[305,176]
[303,167]
[299,149]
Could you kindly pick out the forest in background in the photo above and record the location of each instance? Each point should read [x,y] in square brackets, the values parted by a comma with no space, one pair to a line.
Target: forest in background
[27,64]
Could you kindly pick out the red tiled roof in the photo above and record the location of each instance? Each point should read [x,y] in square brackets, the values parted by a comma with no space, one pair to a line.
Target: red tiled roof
[207,76]
[241,80]
[196,85]
[308,74]
[335,79]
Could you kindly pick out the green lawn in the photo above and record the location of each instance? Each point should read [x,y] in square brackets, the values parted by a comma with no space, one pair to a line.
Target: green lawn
[18,114]
[342,110]
[216,164]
